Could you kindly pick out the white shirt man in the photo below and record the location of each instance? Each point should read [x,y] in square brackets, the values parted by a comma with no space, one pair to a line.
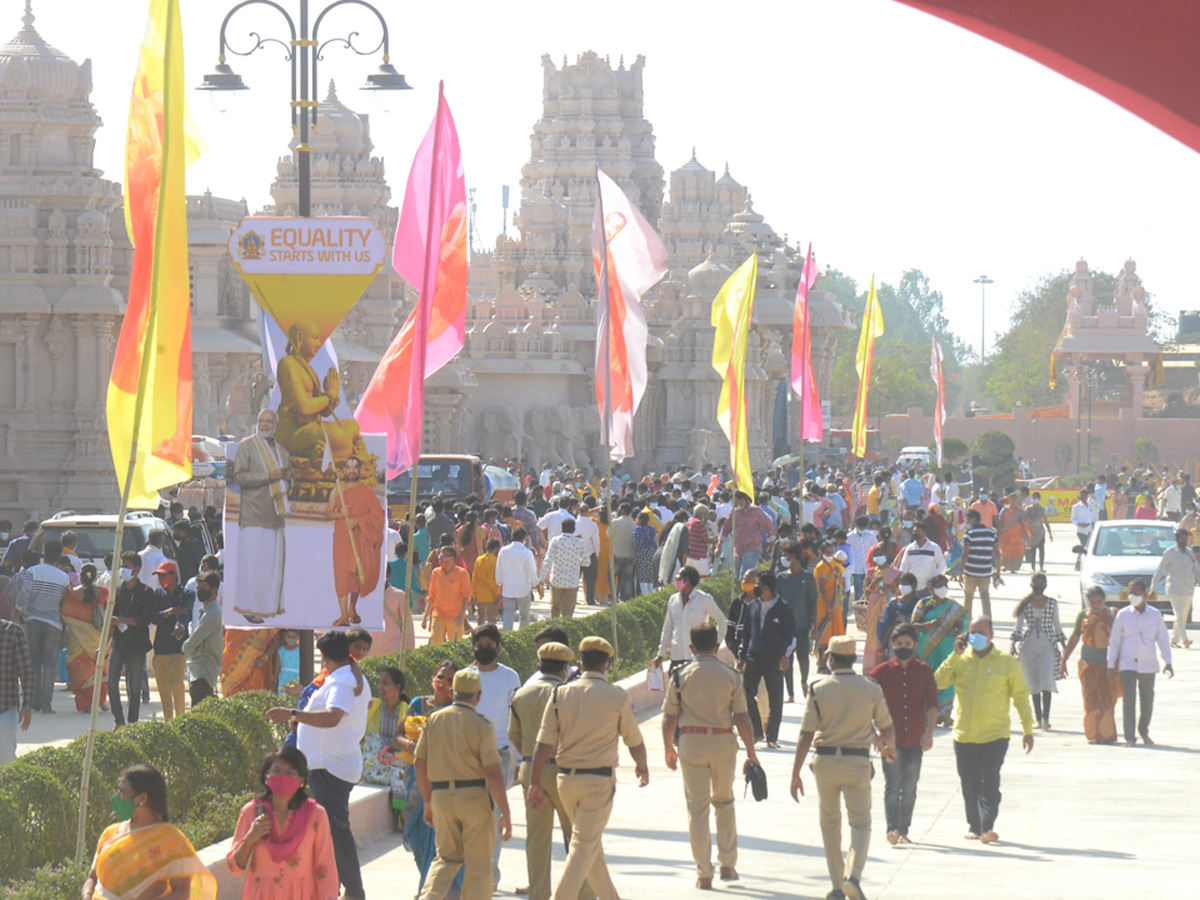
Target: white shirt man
[336,749]
[152,558]
[861,540]
[1138,632]
[516,573]
[923,558]
[551,523]
[676,639]
[1083,517]
[586,528]
[1181,571]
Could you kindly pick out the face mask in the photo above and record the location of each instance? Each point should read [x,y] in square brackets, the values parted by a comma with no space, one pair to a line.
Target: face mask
[291,642]
[166,582]
[3,535]
[880,559]
[978,642]
[284,785]
[203,596]
[827,557]
[941,591]
[1135,599]
[905,589]
[122,807]
[123,575]
[485,656]
[682,584]
[903,653]
[983,496]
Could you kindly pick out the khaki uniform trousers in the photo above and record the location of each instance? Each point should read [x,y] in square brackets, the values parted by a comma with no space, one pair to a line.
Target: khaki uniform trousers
[708,763]
[850,777]
[984,586]
[562,603]
[588,800]
[169,674]
[465,832]
[539,832]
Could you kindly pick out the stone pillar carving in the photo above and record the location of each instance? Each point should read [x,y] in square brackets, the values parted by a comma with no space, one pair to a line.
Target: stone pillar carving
[27,365]
[56,344]
[85,386]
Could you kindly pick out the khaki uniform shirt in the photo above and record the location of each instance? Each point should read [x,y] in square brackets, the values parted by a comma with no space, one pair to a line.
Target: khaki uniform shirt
[457,743]
[584,721]
[709,695]
[249,473]
[841,709]
[528,707]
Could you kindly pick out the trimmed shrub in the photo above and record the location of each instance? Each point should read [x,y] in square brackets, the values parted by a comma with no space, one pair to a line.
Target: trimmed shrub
[42,806]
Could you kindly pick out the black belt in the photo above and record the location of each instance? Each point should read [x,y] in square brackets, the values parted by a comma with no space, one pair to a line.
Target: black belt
[844,751]
[529,759]
[445,785]
[606,771]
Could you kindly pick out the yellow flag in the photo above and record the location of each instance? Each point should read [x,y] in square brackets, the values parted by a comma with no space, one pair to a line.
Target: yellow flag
[150,390]
[731,313]
[872,327]
[1053,373]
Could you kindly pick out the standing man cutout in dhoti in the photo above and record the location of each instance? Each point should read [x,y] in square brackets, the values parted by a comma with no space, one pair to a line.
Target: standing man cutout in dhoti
[358,533]
[261,470]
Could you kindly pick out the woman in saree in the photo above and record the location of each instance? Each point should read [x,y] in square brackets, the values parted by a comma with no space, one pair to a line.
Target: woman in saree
[384,740]
[831,594]
[877,593]
[1101,686]
[939,621]
[250,661]
[419,837]
[1013,529]
[142,857]
[282,842]
[603,582]
[82,614]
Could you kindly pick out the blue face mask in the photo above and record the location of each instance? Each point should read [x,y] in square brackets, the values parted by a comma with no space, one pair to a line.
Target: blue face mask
[978,642]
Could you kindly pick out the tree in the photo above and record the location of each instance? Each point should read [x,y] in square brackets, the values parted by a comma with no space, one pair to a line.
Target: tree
[1145,450]
[1063,454]
[953,450]
[994,465]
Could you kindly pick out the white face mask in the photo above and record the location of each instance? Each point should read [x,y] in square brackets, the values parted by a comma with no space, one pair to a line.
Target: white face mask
[1135,599]
[941,591]
[123,575]
[880,560]
[905,589]
[827,558]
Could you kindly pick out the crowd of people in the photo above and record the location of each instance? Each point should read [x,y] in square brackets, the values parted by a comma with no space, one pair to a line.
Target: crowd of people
[886,545]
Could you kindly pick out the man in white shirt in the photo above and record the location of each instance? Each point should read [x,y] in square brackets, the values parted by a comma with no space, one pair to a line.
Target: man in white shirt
[589,531]
[1138,630]
[922,557]
[152,557]
[551,522]
[686,609]
[499,684]
[1083,517]
[861,539]
[516,573]
[328,731]
[1181,570]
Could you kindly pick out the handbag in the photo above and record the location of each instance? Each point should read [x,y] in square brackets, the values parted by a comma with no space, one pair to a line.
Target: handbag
[756,781]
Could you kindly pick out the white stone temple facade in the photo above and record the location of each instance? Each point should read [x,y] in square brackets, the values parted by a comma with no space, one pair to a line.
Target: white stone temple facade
[522,388]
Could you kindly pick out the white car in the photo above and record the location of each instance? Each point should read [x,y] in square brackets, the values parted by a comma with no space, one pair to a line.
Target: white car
[914,455]
[1122,550]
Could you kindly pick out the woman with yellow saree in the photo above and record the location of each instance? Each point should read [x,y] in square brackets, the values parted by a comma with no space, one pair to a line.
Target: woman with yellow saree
[82,611]
[142,857]
[831,595]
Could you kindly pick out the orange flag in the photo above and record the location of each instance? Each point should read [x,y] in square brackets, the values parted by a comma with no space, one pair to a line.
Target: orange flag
[150,392]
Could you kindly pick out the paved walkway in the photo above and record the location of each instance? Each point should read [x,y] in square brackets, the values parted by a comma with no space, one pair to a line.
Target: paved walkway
[1077,821]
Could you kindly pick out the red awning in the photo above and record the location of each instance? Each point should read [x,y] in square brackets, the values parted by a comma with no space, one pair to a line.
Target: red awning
[1142,55]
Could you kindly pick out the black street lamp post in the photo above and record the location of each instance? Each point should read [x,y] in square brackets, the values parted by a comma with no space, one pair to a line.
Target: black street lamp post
[304,52]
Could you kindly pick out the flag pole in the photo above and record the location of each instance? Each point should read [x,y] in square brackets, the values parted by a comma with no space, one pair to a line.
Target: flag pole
[603,296]
[421,339]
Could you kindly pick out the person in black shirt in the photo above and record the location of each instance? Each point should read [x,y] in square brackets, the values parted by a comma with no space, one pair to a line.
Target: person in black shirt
[130,636]
[191,550]
[767,643]
[173,616]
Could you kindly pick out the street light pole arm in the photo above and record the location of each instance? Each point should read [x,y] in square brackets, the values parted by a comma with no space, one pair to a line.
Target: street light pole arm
[348,41]
[259,40]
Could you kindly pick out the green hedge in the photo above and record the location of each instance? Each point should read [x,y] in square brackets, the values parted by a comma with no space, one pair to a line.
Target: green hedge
[210,756]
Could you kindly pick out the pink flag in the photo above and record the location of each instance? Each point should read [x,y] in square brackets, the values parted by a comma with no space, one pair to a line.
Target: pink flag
[430,253]
[630,259]
[804,381]
[939,414]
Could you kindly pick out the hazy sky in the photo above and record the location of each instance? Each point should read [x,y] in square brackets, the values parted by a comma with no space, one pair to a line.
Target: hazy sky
[886,137]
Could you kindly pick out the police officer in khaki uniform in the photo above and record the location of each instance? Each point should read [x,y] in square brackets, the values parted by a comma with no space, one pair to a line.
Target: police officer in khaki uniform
[708,701]
[528,706]
[580,728]
[843,714]
[458,765]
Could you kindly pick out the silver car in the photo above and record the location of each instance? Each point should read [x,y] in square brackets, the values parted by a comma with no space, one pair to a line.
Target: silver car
[1121,551]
